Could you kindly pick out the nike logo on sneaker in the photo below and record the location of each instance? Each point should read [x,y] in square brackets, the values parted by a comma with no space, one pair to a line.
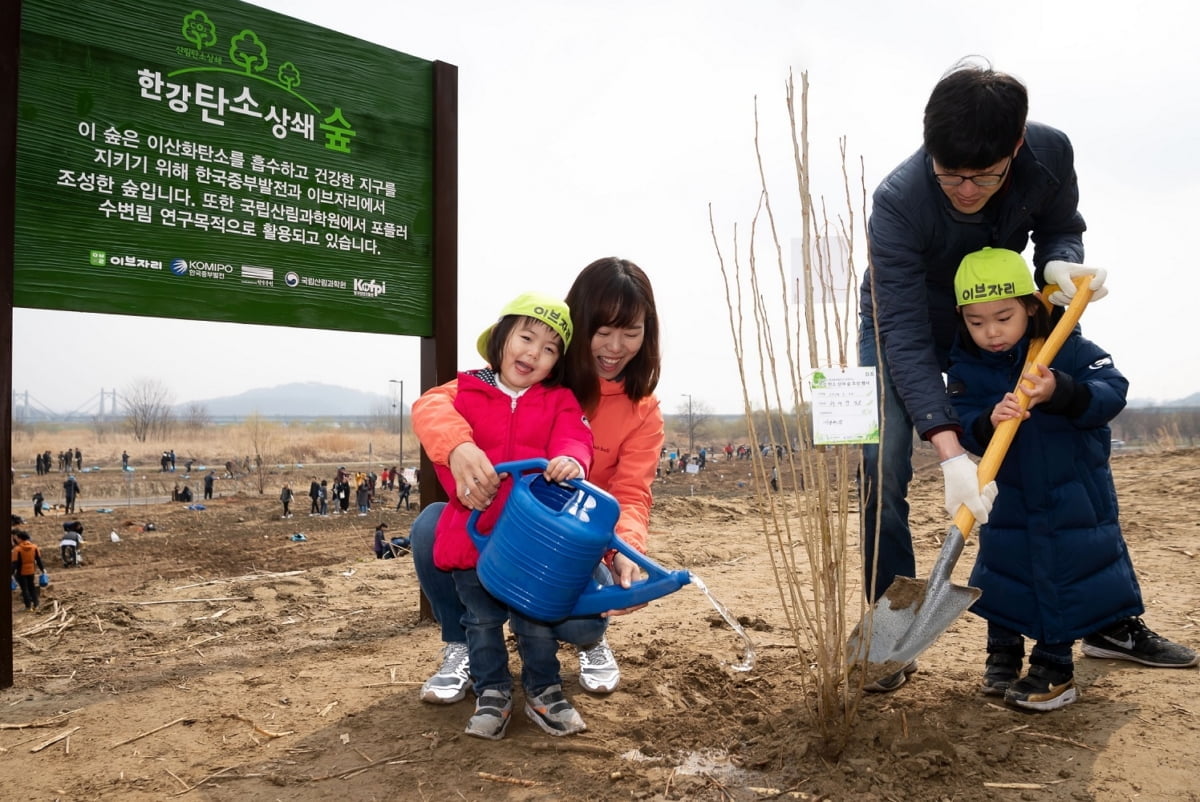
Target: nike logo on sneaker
[1124,643]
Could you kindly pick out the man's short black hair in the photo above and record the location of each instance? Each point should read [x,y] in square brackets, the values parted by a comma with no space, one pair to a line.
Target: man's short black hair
[975,117]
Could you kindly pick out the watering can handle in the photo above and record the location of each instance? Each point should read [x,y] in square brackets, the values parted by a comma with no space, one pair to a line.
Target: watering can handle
[514,468]
[989,464]
[598,599]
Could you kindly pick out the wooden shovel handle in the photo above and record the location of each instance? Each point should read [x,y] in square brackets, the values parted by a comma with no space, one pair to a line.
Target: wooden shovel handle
[989,464]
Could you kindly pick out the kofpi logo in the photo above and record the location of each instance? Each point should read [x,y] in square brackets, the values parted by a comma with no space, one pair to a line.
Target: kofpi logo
[369,289]
[179,267]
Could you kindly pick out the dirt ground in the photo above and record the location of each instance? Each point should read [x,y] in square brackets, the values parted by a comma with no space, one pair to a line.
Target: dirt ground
[215,658]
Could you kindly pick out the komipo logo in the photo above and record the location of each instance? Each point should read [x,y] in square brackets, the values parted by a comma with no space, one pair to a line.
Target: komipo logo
[369,289]
[179,267]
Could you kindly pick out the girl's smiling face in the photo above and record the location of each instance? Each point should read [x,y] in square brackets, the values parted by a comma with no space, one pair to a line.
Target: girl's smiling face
[530,353]
[997,325]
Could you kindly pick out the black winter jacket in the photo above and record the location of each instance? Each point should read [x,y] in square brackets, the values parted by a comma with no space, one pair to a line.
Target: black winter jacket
[917,240]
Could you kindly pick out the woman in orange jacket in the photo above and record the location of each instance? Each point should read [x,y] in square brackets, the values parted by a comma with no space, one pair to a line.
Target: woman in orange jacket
[26,565]
[613,371]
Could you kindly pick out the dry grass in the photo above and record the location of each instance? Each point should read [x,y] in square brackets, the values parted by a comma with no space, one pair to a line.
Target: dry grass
[102,446]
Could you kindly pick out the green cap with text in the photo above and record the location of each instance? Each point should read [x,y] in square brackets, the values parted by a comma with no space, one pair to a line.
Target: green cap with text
[992,274]
[548,309]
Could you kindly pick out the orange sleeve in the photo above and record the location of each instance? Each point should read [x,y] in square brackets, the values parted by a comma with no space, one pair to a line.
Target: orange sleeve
[629,438]
[437,424]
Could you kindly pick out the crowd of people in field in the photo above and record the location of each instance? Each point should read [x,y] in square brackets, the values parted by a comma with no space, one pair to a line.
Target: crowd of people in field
[334,498]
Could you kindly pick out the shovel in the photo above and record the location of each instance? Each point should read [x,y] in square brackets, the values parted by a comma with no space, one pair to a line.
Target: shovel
[912,614]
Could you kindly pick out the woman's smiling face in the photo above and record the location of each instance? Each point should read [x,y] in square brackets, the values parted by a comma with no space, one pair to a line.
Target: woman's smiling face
[613,347]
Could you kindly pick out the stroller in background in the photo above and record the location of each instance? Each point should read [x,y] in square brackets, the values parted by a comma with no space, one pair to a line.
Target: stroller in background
[397,547]
[71,543]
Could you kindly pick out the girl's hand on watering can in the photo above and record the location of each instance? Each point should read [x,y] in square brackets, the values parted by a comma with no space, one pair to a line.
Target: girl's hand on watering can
[625,573]
[475,479]
[562,469]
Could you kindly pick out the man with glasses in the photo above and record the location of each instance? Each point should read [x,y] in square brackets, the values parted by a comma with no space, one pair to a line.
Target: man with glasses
[984,177]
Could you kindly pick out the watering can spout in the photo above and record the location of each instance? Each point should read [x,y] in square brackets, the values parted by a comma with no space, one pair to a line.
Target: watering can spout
[599,598]
[542,554]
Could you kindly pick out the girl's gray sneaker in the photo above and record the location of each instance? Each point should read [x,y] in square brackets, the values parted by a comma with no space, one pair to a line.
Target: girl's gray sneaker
[551,711]
[493,709]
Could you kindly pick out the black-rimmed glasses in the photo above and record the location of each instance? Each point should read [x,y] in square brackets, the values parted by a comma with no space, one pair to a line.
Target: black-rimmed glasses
[986,180]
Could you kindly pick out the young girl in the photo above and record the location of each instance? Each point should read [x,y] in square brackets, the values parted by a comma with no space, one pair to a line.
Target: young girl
[1052,563]
[516,410]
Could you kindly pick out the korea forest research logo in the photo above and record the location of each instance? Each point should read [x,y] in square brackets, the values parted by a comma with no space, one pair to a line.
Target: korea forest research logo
[369,289]
[247,57]
[97,258]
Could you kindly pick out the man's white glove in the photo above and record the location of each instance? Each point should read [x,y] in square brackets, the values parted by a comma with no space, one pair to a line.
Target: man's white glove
[962,488]
[1064,274]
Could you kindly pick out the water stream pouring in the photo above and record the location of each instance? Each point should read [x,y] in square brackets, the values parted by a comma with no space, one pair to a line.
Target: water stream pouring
[547,541]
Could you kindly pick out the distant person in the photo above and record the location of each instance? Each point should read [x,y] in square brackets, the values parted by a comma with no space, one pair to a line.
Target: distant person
[26,565]
[171,457]
[381,547]
[40,465]
[517,409]
[187,466]
[323,497]
[405,490]
[363,496]
[342,492]
[208,484]
[285,498]
[39,501]
[70,493]
[163,462]
[124,460]
[186,495]
[314,494]
[72,538]
[78,460]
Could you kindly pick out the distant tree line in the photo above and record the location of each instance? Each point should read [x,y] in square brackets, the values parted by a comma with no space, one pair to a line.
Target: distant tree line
[1164,426]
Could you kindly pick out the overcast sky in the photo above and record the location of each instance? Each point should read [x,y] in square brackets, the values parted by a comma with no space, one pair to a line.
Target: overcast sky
[608,127]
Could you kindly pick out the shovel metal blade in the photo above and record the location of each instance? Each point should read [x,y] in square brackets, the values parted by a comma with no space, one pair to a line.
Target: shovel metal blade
[911,615]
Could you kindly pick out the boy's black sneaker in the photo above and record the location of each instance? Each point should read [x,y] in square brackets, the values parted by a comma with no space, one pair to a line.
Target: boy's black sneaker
[1001,671]
[892,681]
[1042,689]
[1131,639]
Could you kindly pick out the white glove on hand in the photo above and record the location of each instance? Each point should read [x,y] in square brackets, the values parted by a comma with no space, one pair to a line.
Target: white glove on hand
[962,488]
[1064,274]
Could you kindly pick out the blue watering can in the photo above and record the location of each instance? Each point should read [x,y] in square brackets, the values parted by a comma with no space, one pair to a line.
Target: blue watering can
[547,541]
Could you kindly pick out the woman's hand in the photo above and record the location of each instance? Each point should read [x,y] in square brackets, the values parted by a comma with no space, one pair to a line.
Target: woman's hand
[475,480]
[625,573]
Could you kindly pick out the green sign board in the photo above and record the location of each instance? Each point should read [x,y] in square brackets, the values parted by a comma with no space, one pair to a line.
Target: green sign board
[218,161]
